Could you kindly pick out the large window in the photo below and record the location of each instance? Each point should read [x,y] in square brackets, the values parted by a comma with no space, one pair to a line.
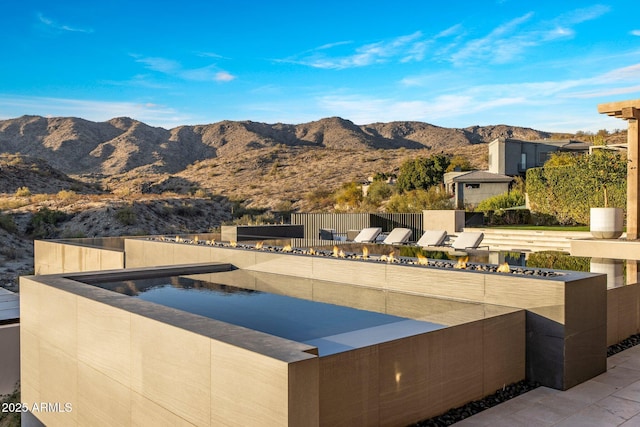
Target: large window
[543,157]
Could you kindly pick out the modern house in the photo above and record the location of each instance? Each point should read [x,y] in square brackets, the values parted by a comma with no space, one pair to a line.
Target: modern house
[470,188]
[509,156]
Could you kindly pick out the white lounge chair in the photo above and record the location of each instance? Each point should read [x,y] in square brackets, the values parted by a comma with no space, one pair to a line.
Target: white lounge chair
[367,235]
[467,240]
[398,236]
[432,238]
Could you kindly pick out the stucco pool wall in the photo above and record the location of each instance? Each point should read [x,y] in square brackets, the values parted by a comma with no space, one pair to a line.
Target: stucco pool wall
[119,361]
[85,345]
[566,314]
[123,361]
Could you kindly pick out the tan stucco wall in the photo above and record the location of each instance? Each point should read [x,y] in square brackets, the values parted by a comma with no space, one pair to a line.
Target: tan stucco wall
[451,221]
[51,257]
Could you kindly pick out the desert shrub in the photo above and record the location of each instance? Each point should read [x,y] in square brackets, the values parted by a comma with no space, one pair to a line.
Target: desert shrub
[247,219]
[126,216]
[200,193]
[349,196]
[43,224]
[509,199]
[7,223]
[284,206]
[320,198]
[379,191]
[418,200]
[23,192]
[66,195]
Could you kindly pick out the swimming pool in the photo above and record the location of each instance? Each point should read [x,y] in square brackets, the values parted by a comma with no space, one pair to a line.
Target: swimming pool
[329,327]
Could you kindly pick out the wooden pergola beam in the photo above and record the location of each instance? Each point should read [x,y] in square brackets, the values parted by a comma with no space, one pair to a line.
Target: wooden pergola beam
[629,111]
[626,110]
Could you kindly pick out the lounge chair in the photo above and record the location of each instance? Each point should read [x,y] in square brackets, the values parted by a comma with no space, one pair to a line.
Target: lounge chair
[467,240]
[327,233]
[398,236]
[432,238]
[367,235]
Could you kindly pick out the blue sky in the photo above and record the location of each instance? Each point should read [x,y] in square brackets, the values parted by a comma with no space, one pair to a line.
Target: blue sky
[544,64]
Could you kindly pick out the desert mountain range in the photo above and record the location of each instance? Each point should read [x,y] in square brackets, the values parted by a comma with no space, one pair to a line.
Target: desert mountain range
[80,147]
[263,164]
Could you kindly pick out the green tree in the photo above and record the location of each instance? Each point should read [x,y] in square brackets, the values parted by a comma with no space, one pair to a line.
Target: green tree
[459,162]
[422,172]
[606,167]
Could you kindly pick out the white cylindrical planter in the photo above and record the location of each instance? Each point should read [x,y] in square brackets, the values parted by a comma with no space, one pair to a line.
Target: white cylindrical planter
[606,223]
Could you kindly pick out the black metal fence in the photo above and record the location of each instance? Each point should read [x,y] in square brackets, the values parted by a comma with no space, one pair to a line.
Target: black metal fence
[342,223]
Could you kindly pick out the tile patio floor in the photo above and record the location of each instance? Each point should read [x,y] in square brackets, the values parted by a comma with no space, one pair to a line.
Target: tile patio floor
[610,399]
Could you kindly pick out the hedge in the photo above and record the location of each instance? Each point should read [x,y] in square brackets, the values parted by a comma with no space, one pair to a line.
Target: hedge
[567,192]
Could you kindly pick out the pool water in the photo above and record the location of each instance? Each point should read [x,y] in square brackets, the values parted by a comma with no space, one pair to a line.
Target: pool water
[331,328]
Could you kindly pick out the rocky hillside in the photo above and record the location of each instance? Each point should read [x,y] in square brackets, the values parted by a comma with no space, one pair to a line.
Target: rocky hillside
[265,164]
[80,147]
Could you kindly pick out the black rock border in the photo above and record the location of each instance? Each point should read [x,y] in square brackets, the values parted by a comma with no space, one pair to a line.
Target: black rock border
[454,415]
[633,340]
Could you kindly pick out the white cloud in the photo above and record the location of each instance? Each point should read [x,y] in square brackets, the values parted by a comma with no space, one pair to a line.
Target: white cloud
[53,25]
[162,65]
[223,76]
[409,47]
[547,105]
[579,16]
[635,33]
[508,41]
[499,45]
[175,69]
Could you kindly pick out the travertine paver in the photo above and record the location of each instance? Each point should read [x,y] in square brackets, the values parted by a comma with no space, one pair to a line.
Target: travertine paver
[610,399]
